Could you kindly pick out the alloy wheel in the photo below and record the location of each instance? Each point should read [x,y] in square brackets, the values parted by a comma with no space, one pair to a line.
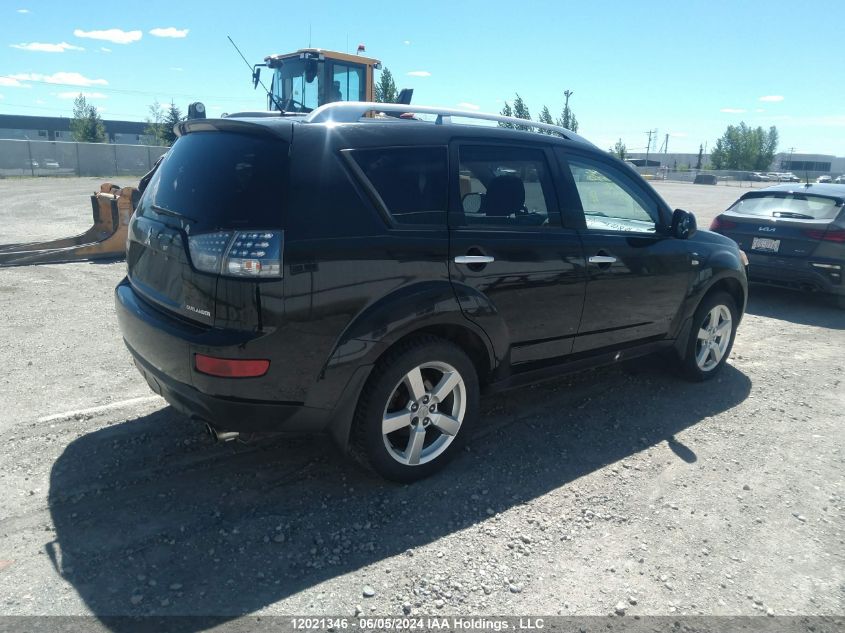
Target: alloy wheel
[714,337]
[424,413]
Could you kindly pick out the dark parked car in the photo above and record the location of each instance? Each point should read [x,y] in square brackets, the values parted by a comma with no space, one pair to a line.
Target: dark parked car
[794,235]
[370,276]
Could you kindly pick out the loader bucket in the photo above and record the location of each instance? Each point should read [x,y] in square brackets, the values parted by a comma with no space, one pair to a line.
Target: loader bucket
[112,207]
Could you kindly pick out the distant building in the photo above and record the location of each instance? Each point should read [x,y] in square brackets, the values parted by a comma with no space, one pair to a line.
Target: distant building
[53,128]
[812,164]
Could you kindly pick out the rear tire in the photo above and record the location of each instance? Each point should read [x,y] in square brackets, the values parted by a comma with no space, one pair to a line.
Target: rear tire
[711,337]
[416,410]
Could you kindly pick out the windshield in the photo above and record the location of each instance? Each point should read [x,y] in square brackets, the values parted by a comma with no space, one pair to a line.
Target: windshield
[300,85]
[794,205]
[296,84]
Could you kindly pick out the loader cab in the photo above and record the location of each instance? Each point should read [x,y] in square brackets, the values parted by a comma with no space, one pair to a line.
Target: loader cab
[311,77]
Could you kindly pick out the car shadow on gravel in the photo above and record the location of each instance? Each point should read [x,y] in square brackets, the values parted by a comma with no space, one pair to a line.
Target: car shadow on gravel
[804,308]
[152,519]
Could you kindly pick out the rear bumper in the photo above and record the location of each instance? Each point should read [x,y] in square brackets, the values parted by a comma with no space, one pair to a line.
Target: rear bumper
[162,349]
[795,273]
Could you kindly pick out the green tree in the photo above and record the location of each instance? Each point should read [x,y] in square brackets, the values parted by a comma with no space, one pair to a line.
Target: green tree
[155,124]
[546,117]
[567,116]
[619,150]
[746,148]
[86,126]
[172,118]
[506,111]
[386,88]
[520,111]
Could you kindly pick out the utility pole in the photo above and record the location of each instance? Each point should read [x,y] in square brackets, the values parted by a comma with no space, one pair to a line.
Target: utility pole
[648,147]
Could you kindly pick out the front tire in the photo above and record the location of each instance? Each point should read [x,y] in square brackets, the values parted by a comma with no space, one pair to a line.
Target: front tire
[711,337]
[416,410]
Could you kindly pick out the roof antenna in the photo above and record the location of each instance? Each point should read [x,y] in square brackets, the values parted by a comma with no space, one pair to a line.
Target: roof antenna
[256,75]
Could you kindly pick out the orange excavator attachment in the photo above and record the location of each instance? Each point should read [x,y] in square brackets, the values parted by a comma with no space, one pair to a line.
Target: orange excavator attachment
[112,207]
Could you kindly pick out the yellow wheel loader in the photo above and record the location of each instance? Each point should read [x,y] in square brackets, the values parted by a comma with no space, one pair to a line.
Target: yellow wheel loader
[302,80]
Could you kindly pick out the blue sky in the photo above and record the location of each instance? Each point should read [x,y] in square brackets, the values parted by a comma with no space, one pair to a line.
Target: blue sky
[687,69]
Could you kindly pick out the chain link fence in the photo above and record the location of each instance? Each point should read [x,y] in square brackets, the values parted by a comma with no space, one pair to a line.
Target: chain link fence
[56,158]
[736,178]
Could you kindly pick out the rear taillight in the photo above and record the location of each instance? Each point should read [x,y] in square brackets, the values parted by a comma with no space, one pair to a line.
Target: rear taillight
[720,224]
[238,253]
[826,236]
[230,367]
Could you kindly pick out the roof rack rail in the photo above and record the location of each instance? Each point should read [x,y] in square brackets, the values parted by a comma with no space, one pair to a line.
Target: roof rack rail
[354,111]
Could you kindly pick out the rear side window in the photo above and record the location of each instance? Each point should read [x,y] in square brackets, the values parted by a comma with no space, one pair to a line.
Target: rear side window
[789,205]
[410,182]
[222,179]
[506,188]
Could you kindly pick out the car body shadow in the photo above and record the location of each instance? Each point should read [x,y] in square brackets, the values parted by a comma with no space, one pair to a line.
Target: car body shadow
[804,308]
[153,519]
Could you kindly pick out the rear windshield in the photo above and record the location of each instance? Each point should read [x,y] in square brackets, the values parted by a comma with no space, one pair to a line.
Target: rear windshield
[222,179]
[789,205]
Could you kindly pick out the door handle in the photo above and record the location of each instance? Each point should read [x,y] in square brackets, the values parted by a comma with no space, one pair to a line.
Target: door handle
[602,259]
[474,259]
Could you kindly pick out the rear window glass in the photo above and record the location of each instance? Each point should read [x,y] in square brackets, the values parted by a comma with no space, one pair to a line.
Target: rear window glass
[223,179]
[411,181]
[789,205]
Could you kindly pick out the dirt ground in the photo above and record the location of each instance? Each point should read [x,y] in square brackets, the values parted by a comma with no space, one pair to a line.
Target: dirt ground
[622,490]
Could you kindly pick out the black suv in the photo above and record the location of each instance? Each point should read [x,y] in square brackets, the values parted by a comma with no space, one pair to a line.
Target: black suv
[369,274]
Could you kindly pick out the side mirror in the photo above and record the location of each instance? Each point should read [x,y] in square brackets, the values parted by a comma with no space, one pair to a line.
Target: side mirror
[683,224]
[471,203]
[256,77]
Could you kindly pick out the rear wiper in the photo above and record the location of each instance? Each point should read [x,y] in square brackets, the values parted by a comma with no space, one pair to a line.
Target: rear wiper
[790,214]
[174,214]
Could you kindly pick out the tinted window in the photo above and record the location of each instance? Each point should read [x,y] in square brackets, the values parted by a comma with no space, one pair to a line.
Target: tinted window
[411,181]
[505,187]
[789,205]
[611,202]
[222,179]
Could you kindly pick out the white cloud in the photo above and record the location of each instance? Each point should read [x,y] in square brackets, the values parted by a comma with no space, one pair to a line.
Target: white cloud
[469,106]
[46,48]
[105,50]
[169,32]
[759,110]
[23,10]
[88,95]
[407,42]
[73,79]
[12,82]
[177,69]
[419,73]
[733,110]
[2,97]
[116,36]
[772,98]
[40,102]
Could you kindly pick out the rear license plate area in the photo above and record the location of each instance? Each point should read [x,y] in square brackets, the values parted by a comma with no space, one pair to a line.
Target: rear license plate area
[765,245]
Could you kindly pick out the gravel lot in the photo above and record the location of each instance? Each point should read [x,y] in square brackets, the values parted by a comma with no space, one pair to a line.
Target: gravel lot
[621,490]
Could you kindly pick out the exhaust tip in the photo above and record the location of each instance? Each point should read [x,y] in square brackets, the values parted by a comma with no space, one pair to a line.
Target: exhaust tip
[221,436]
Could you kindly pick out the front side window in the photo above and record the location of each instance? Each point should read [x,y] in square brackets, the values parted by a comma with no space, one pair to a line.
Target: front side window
[410,182]
[610,202]
[505,187]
